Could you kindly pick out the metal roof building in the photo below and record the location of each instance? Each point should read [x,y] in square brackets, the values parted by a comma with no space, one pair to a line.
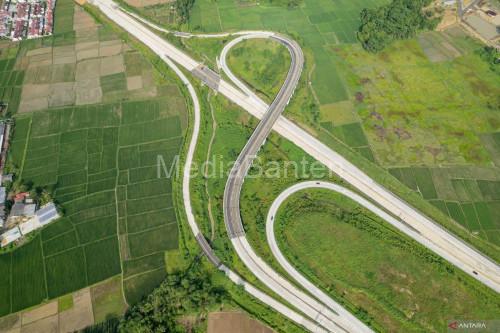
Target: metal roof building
[47,214]
[10,236]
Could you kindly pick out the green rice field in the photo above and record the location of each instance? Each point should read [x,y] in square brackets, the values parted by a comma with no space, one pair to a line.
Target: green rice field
[316,23]
[99,160]
[470,196]
[84,153]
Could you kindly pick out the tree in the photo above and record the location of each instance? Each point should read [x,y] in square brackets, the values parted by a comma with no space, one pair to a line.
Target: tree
[183,8]
[401,19]
[492,56]
[190,290]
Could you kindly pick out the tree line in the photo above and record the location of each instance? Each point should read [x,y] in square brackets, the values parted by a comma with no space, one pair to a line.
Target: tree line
[401,19]
[183,8]
[181,293]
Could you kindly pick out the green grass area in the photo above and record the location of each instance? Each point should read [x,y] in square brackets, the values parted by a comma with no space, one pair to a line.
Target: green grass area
[65,302]
[262,64]
[232,130]
[258,195]
[228,139]
[416,111]
[113,82]
[207,49]
[373,270]
[107,299]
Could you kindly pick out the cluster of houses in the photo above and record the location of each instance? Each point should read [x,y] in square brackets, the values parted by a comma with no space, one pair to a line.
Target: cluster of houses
[20,19]
[25,215]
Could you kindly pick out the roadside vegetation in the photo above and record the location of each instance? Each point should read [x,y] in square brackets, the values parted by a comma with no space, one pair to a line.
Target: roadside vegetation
[352,134]
[316,250]
[262,64]
[387,280]
[401,19]
[232,130]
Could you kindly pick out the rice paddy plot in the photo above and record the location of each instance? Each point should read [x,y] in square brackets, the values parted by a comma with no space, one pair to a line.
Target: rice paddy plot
[317,23]
[63,21]
[74,150]
[461,194]
[11,78]
[65,272]
[137,286]
[27,285]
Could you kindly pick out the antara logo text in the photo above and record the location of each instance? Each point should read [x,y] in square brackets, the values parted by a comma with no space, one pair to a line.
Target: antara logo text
[467,325]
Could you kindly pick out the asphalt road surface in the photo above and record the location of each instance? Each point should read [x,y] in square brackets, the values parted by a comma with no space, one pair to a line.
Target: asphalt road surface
[245,159]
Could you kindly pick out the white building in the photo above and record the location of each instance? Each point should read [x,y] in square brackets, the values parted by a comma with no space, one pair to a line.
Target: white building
[10,236]
[41,218]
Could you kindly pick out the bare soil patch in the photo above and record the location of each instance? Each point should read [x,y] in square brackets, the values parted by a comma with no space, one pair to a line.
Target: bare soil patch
[32,91]
[10,322]
[112,65]
[148,79]
[82,20]
[62,94]
[107,298]
[80,315]
[88,92]
[45,325]
[35,104]
[234,322]
[134,82]
[64,51]
[110,48]
[41,312]
[88,69]
[64,60]
[39,51]
[63,73]
[87,54]
[41,59]
[43,74]
[86,45]
[87,35]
